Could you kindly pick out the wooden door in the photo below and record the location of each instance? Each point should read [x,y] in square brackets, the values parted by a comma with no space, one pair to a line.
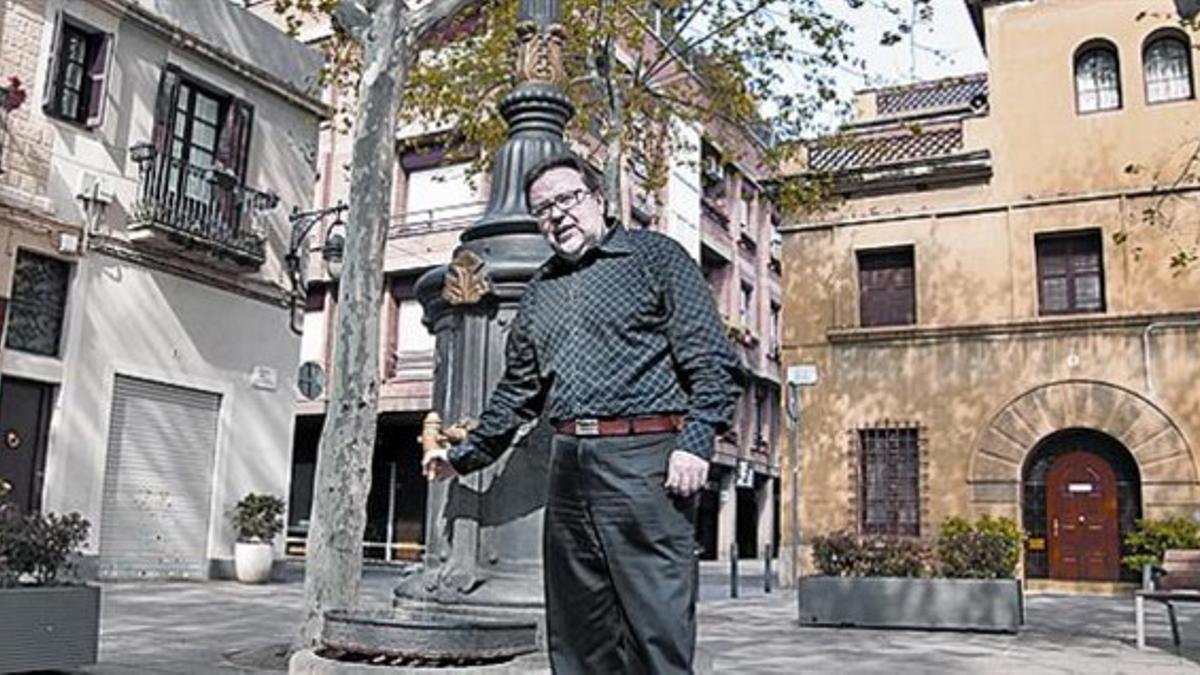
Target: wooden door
[24,424]
[1081,494]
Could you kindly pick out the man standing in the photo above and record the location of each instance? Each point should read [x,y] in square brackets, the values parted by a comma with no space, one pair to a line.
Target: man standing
[618,342]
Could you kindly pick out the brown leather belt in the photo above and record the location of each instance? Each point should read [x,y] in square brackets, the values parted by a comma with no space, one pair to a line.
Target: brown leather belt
[621,426]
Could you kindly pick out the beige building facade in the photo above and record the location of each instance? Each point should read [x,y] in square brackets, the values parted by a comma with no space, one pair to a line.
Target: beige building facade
[147,373]
[994,317]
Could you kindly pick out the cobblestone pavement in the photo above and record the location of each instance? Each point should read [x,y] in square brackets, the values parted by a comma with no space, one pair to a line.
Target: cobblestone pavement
[226,627]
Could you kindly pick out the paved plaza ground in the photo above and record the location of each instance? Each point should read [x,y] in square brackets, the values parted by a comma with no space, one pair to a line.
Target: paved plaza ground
[225,627]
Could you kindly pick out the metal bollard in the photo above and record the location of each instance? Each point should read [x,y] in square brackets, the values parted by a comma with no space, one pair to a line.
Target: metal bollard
[767,568]
[733,570]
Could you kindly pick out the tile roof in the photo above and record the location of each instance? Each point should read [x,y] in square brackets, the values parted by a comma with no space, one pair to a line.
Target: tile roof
[847,153]
[943,93]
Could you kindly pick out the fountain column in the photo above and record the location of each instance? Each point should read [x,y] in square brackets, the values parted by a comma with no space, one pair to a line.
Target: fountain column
[484,532]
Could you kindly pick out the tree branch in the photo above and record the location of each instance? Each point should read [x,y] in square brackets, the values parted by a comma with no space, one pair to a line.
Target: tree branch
[692,44]
[353,19]
[666,49]
[431,15]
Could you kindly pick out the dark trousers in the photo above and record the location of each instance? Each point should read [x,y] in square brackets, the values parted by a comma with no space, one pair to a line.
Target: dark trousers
[620,568]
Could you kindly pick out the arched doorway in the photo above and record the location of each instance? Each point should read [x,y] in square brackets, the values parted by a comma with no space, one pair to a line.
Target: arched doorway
[1081,493]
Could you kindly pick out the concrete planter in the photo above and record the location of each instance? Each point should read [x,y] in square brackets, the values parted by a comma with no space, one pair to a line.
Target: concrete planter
[48,628]
[895,602]
[252,561]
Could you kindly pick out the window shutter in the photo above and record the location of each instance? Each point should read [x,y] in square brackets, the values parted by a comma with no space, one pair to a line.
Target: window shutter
[164,111]
[50,91]
[98,76]
[234,145]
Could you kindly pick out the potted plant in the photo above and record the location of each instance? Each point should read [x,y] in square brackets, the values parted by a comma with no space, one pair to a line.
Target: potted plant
[258,519]
[965,580]
[51,620]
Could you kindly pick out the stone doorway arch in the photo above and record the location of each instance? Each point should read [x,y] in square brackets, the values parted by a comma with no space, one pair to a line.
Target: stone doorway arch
[1168,470]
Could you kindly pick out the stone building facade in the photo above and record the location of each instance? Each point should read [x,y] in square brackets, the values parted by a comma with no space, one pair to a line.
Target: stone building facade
[996,321]
[148,368]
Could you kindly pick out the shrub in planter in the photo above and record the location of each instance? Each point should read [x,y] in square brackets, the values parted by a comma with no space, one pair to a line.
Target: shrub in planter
[258,519]
[36,549]
[889,582]
[987,549]
[845,554]
[1148,541]
[50,623]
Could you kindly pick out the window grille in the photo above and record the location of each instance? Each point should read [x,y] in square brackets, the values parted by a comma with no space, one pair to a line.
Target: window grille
[38,304]
[889,486]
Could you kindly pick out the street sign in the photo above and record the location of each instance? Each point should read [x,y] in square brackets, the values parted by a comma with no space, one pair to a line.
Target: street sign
[804,374]
[745,475]
[311,380]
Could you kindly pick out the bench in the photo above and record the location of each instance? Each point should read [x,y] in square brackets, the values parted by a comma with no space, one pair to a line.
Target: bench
[1178,580]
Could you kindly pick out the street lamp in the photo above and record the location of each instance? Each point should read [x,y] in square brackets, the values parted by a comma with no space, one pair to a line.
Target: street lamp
[143,152]
[332,250]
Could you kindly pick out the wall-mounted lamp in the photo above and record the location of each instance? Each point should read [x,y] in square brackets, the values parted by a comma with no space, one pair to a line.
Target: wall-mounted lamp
[142,152]
[332,250]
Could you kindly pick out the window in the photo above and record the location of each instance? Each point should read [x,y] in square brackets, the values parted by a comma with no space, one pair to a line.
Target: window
[312,342]
[890,484]
[197,129]
[775,342]
[747,305]
[1097,78]
[886,289]
[76,73]
[1070,270]
[412,345]
[760,416]
[1167,65]
[38,304]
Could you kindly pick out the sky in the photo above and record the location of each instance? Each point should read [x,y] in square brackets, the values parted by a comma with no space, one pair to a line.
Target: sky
[945,46]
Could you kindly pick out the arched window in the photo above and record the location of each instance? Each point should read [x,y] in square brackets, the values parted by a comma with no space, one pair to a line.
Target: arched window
[1097,78]
[1167,67]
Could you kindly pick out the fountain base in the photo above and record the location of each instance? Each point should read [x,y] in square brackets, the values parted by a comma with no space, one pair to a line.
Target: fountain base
[419,637]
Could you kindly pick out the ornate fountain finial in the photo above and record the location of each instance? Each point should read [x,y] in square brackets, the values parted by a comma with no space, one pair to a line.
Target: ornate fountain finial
[539,53]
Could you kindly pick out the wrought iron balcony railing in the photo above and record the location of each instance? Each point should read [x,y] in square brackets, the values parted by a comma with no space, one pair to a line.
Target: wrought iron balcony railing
[436,219]
[194,209]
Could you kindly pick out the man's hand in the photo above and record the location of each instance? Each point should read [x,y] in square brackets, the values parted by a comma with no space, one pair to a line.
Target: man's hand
[436,465]
[686,473]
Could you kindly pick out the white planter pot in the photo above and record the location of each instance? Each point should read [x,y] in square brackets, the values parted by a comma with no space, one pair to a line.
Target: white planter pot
[252,560]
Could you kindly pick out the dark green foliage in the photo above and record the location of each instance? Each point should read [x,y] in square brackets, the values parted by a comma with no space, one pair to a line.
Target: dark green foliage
[1151,538]
[845,554]
[988,549]
[258,517]
[36,549]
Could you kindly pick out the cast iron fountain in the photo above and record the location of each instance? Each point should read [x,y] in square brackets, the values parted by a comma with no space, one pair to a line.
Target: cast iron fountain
[477,598]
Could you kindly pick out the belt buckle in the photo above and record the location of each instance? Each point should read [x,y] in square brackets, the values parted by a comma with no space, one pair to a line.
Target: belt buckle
[587,426]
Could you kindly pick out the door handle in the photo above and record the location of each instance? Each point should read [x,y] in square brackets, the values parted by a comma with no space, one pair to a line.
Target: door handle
[1054,524]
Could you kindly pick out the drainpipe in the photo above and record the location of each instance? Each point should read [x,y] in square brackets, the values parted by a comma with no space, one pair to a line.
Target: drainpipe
[1147,350]
[794,464]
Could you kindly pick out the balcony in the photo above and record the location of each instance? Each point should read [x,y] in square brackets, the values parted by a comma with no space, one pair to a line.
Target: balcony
[711,214]
[436,219]
[198,212]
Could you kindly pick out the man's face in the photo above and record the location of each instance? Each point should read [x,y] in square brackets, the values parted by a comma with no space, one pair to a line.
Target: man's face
[570,216]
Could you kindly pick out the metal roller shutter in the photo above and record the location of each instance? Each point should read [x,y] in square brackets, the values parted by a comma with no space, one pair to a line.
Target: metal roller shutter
[158,481]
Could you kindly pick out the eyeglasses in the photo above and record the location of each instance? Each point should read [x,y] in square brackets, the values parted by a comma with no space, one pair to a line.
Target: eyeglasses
[565,202]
